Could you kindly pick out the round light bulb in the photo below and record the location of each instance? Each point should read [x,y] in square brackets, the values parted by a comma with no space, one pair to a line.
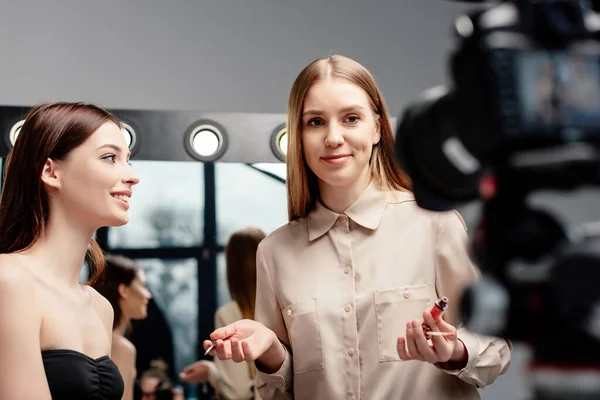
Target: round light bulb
[15,130]
[205,142]
[283,143]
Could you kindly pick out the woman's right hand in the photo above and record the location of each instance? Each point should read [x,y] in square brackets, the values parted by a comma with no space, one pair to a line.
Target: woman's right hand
[248,340]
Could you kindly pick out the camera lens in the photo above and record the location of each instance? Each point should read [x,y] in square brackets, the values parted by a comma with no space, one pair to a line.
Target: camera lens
[429,149]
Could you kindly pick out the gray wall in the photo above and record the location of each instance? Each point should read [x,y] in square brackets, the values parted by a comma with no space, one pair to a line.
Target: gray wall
[224,56]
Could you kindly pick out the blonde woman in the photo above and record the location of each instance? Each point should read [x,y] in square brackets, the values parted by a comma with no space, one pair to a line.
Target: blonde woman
[233,380]
[343,288]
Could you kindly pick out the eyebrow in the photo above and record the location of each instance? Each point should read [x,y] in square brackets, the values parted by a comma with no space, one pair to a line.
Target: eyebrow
[114,147]
[343,110]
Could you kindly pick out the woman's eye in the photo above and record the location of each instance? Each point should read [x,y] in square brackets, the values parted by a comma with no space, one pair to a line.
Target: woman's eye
[111,158]
[352,119]
[315,122]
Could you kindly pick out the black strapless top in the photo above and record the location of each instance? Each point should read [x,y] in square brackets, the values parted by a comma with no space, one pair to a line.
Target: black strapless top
[74,375]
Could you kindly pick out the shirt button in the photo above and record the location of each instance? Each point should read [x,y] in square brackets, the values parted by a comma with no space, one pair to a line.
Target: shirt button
[347,270]
[406,295]
[289,312]
[347,308]
[343,219]
[350,351]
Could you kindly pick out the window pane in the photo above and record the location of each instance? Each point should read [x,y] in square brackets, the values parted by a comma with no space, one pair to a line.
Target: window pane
[247,197]
[166,207]
[223,295]
[174,286]
[84,273]
[278,169]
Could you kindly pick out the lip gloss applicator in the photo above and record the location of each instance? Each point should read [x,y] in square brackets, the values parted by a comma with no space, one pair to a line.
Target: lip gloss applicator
[209,349]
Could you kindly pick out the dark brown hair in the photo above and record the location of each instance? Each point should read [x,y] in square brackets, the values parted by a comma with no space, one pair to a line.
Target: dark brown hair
[50,131]
[240,255]
[118,270]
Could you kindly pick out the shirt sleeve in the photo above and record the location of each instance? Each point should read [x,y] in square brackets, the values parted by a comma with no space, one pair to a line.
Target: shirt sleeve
[278,385]
[488,357]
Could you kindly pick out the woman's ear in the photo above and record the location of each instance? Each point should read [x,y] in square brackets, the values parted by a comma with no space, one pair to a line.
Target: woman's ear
[377,133]
[50,175]
[123,290]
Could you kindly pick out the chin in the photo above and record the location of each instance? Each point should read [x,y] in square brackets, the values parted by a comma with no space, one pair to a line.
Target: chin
[339,180]
[118,220]
[140,315]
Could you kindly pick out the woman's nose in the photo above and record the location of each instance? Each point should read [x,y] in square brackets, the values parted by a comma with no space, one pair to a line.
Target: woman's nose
[131,177]
[334,136]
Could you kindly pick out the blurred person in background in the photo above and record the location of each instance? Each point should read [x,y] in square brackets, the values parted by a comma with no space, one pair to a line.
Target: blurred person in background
[124,286]
[233,381]
[156,385]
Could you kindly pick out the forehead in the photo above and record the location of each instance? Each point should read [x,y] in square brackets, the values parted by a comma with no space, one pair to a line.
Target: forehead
[108,133]
[334,93]
[149,383]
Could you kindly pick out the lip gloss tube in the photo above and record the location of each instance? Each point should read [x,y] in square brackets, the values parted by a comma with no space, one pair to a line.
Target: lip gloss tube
[437,310]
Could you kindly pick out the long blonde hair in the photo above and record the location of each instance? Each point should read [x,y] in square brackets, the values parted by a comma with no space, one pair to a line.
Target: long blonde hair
[302,184]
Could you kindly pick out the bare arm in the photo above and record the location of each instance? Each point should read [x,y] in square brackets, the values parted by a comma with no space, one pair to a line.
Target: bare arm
[123,355]
[22,374]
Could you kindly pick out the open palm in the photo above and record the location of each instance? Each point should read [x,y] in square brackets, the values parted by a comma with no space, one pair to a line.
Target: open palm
[243,340]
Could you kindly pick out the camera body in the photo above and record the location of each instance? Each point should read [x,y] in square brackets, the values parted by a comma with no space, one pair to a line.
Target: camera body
[521,115]
[525,76]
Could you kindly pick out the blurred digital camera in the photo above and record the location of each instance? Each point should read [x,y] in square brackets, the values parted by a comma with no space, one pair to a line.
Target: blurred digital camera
[525,76]
[520,115]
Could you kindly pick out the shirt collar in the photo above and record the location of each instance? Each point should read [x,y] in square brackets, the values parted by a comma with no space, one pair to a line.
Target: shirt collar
[366,211]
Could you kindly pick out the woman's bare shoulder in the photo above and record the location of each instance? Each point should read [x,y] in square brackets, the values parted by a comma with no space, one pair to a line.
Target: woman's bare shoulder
[15,277]
[122,346]
[102,307]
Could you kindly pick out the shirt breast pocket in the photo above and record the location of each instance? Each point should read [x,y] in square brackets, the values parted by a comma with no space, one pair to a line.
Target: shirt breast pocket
[394,308]
[302,322]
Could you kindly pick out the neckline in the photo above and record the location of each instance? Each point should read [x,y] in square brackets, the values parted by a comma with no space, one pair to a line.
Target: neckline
[74,352]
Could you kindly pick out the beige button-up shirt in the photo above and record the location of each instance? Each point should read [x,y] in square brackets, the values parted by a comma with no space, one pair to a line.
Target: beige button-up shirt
[338,290]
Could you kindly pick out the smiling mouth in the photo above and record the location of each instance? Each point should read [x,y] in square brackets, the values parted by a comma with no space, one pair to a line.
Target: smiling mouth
[337,159]
[121,197]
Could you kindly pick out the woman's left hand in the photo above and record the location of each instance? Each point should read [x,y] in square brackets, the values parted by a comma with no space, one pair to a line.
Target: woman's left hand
[436,349]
